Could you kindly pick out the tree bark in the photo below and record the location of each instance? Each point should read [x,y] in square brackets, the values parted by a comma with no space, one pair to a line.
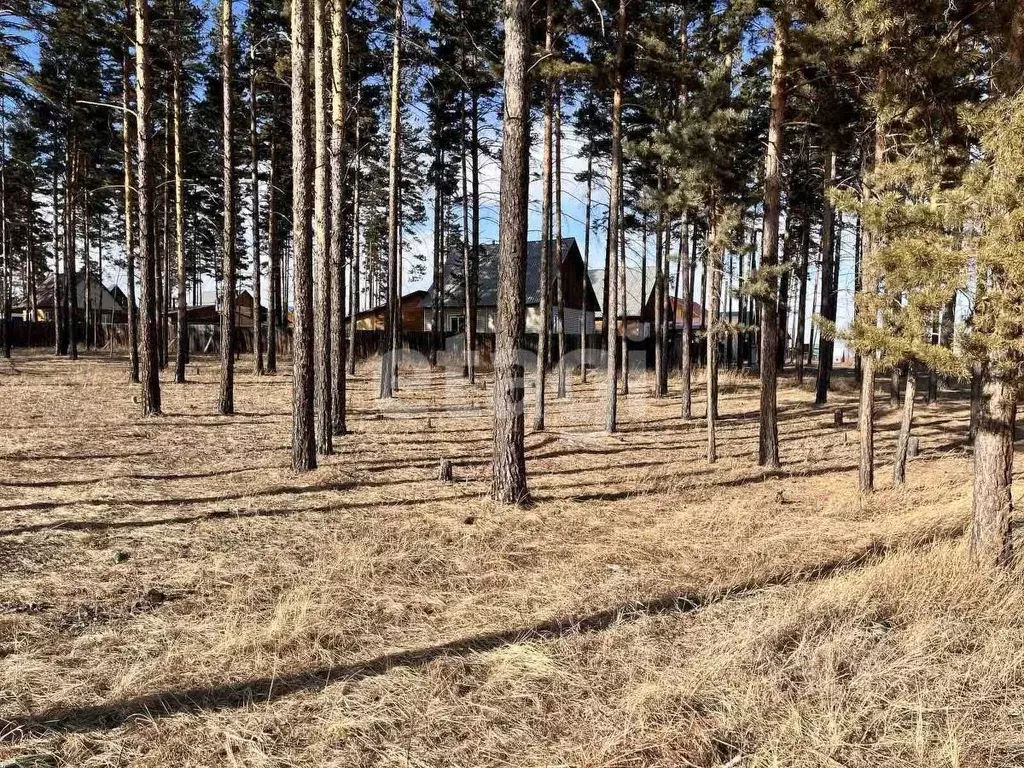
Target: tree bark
[544,331]
[768,434]
[70,236]
[303,432]
[991,541]
[257,256]
[899,471]
[273,247]
[559,262]
[713,301]
[509,459]
[129,227]
[389,360]
[354,311]
[801,301]
[227,308]
[149,368]
[181,357]
[829,299]
[614,205]
[339,232]
[684,277]
[586,259]
[322,368]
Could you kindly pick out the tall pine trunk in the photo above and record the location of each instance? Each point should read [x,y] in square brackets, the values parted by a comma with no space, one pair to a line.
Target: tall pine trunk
[614,206]
[322,225]
[354,300]
[586,259]
[544,331]
[559,262]
[768,435]
[684,277]
[389,360]
[508,483]
[254,191]
[713,301]
[273,249]
[339,179]
[129,208]
[179,203]
[829,273]
[227,307]
[869,279]
[303,431]
[149,363]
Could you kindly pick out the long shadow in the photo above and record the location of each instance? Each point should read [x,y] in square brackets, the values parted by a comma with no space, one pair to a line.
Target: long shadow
[287,490]
[246,692]
[222,514]
[80,457]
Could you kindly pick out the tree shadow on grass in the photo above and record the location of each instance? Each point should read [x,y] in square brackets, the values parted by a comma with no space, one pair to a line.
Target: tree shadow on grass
[261,690]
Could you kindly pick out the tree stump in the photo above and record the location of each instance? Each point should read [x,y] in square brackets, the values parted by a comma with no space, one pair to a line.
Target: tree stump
[444,472]
[913,447]
[839,417]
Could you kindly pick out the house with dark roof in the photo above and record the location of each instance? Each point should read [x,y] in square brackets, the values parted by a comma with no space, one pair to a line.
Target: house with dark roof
[104,304]
[581,303]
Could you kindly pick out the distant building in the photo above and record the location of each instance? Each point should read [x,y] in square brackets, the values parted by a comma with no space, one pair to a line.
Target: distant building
[106,307]
[412,314]
[208,313]
[581,303]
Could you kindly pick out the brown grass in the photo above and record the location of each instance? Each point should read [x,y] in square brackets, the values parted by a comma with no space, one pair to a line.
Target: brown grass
[173,595]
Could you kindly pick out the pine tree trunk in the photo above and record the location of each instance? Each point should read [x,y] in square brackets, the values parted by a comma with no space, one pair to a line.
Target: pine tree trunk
[227,307]
[829,299]
[58,310]
[768,436]
[70,237]
[509,462]
[179,203]
[469,365]
[339,231]
[257,256]
[801,301]
[586,260]
[868,363]
[129,226]
[684,277]
[899,471]
[991,541]
[623,296]
[389,360]
[303,432]
[354,303]
[274,253]
[322,225]
[614,206]
[163,263]
[559,261]
[149,368]
[713,302]
[474,261]
[544,331]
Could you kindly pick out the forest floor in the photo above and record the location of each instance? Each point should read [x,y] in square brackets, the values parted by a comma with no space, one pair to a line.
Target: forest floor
[172,594]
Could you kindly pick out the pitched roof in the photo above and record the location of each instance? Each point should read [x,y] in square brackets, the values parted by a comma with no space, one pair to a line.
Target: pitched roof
[635,300]
[102,298]
[487,274]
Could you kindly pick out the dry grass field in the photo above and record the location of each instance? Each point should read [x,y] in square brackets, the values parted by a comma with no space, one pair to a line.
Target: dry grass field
[171,594]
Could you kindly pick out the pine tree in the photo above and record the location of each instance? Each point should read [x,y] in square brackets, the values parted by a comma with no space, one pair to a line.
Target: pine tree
[508,483]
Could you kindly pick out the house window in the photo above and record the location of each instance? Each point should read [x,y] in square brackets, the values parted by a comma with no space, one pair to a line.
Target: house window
[456,323]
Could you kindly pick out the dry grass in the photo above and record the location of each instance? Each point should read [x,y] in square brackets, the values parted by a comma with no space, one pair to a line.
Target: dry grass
[173,595]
